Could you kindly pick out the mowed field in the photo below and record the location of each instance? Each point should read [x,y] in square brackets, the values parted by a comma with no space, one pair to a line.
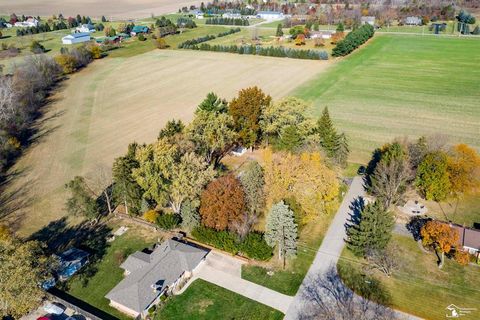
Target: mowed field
[112,9]
[116,101]
[402,86]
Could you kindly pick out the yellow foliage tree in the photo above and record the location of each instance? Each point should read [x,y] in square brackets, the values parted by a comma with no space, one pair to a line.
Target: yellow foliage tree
[464,169]
[151,216]
[304,177]
[67,62]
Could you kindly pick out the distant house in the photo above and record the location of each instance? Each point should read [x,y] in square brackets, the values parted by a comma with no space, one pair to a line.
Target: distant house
[320,34]
[197,13]
[270,15]
[469,238]
[139,29]
[78,37]
[149,275]
[413,21]
[368,20]
[85,28]
[231,15]
[29,22]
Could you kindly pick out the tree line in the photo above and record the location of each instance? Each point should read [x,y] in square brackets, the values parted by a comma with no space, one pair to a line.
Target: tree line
[186,44]
[227,21]
[353,40]
[263,51]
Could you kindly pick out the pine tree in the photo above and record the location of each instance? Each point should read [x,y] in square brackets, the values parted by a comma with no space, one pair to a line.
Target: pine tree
[281,230]
[341,150]
[290,139]
[372,230]
[327,132]
[279,30]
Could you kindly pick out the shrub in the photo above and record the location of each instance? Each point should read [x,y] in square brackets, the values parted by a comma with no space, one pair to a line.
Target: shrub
[168,221]
[36,47]
[353,40]
[462,257]
[95,51]
[160,43]
[141,37]
[67,62]
[255,247]
[227,21]
[151,216]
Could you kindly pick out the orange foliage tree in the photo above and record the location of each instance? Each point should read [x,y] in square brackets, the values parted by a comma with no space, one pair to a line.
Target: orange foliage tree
[462,257]
[464,169]
[222,203]
[441,236]
[246,111]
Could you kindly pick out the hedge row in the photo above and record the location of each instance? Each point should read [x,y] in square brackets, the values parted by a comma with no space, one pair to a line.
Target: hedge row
[353,40]
[263,51]
[228,21]
[208,37]
[253,246]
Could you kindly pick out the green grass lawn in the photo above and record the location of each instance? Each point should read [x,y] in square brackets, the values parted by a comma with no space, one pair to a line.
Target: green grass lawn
[399,86]
[288,281]
[203,300]
[109,273]
[420,288]
[467,213]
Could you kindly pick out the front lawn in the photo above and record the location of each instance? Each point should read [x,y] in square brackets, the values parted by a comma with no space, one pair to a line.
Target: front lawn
[203,300]
[108,273]
[289,280]
[419,287]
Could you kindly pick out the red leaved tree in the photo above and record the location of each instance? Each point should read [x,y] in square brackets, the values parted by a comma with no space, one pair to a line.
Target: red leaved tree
[222,203]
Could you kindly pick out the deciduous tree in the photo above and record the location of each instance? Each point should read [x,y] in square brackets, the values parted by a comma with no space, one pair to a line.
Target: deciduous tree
[222,203]
[246,111]
[433,179]
[82,201]
[464,170]
[440,236]
[190,215]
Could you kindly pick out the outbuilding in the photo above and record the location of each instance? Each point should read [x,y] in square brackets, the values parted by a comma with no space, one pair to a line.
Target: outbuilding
[78,37]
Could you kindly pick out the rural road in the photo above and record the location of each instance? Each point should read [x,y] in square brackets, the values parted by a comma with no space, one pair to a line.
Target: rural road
[331,249]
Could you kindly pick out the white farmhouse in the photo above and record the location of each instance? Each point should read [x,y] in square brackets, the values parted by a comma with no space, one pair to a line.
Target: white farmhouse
[270,15]
[29,22]
[85,28]
[78,37]
[368,20]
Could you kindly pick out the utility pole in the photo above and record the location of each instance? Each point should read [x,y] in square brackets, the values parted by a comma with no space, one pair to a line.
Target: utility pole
[283,247]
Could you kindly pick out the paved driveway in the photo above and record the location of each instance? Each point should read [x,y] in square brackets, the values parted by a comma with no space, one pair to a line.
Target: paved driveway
[226,271]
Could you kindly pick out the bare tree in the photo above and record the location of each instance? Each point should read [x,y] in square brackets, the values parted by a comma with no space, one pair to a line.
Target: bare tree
[7,99]
[389,181]
[329,299]
[99,180]
[383,260]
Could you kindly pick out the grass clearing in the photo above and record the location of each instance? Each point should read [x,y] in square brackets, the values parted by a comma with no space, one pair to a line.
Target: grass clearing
[109,273]
[402,86]
[113,102]
[203,300]
[420,288]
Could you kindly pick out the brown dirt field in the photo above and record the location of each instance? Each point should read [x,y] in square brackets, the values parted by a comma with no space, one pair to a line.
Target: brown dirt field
[112,9]
[116,101]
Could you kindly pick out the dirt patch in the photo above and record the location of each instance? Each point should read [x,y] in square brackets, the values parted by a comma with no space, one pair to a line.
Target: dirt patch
[114,102]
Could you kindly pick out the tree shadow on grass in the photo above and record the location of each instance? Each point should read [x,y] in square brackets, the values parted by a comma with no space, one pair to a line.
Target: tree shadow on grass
[59,236]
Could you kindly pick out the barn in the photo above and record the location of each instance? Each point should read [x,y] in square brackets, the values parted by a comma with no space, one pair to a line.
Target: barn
[78,37]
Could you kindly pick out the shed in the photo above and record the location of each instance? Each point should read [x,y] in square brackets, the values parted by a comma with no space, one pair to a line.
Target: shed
[78,37]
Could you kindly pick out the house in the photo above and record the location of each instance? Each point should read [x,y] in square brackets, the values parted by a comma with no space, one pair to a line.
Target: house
[197,13]
[151,274]
[368,20]
[469,239]
[78,37]
[320,34]
[85,28]
[270,15]
[413,21]
[139,29]
[29,22]
[231,15]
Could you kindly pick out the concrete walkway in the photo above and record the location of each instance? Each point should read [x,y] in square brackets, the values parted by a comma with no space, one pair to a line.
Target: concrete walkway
[225,271]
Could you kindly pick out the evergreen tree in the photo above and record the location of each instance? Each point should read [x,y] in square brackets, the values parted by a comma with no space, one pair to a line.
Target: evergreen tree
[327,133]
[190,215]
[281,230]
[340,27]
[371,231]
[171,129]
[341,150]
[290,139]
[213,103]
[104,19]
[279,30]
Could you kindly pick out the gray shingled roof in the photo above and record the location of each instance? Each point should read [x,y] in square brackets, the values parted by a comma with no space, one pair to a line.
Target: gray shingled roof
[161,268]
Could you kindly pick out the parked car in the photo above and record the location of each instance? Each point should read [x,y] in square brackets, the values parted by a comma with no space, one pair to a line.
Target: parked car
[54,308]
[45,317]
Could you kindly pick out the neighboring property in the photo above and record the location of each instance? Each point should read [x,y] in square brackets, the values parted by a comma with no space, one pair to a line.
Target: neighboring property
[85,28]
[139,29]
[270,15]
[320,34]
[197,13]
[231,15]
[29,22]
[368,20]
[151,274]
[469,239]
[78,37]
[413,21]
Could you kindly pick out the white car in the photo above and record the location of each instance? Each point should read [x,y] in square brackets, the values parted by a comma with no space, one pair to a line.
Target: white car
[54,308]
